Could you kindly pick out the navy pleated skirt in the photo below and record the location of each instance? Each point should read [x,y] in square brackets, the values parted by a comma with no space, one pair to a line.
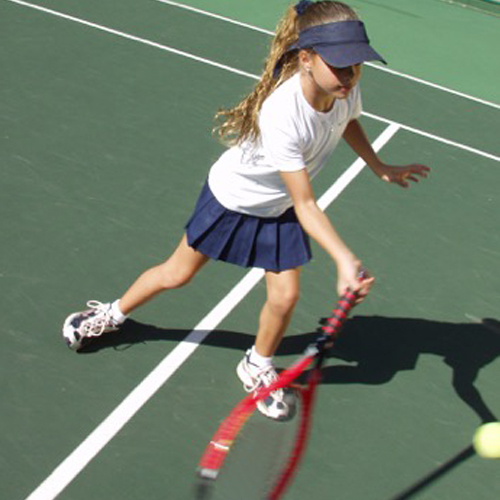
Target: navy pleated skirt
[273,244]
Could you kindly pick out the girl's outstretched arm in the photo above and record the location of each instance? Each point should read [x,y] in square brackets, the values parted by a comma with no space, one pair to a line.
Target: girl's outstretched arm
[319,227]
[356,138]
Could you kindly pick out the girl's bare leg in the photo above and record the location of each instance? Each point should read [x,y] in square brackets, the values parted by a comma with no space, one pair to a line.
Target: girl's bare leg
[282,295]
[175,272]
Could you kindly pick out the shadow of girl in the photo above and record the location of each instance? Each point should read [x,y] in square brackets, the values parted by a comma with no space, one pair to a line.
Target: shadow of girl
[381,347]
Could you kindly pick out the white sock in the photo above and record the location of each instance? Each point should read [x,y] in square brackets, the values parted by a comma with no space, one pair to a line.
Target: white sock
[116,313]
[260,361]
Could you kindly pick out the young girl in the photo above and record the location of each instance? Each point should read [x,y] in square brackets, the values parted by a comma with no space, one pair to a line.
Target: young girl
[257,207]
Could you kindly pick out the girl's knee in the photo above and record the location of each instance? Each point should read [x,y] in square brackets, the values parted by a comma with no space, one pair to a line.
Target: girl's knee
[174,276]
[181,266]
[284,301]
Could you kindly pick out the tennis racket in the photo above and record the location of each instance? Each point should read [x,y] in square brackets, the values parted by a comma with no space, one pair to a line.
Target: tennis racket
[222,441]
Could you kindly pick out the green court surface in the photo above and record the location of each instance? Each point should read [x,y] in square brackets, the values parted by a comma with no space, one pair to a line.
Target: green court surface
[105,143]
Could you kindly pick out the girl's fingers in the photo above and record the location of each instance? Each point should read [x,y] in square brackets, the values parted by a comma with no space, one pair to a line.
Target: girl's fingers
[366,284]
[411,175]
[420,170]
[363,288]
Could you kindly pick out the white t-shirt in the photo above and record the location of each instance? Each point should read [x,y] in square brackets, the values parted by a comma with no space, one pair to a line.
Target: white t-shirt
[294,136]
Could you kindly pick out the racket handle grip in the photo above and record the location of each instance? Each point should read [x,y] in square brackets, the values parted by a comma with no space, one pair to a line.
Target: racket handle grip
[335,321]
[363,274]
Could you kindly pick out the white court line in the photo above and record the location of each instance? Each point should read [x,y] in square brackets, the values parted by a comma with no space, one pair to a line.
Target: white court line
[434,137]
[217,16]
[65,472]
[346,178]
[102,434]
[236,71]
[131,37]
[491,325]
[376,66]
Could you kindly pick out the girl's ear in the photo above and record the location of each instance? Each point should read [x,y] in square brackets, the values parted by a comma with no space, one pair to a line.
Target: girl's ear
[305,58]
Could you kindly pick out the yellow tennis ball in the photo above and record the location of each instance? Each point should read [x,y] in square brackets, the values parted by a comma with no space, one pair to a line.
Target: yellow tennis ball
[486,440]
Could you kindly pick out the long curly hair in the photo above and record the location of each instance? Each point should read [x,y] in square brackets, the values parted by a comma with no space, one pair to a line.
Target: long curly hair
[240,123]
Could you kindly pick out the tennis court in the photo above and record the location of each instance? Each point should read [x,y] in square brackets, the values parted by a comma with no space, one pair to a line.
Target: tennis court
[105,114]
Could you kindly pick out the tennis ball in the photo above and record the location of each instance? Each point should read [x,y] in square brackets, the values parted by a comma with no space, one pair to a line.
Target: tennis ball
[486,440]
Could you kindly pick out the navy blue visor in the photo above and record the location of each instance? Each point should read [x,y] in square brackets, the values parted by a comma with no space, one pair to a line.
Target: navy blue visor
[340,44]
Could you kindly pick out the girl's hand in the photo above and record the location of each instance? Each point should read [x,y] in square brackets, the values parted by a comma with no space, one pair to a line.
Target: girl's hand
[352,275]
[401,175]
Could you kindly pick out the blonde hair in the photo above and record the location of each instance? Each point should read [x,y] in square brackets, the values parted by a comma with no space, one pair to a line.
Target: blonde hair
[241,122]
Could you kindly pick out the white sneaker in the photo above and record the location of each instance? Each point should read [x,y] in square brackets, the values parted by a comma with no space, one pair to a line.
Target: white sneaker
[81,326]
[280,404]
